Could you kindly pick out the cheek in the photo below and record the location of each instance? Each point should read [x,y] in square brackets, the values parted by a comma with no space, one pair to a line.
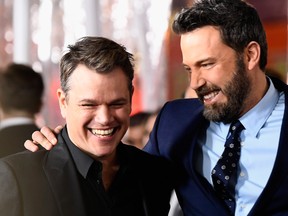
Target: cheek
[123,115]
[227,71]
[75,116]
[220,77]
[63,111]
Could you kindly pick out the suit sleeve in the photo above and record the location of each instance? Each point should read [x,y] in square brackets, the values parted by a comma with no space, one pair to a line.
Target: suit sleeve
[10,196]
[175,127]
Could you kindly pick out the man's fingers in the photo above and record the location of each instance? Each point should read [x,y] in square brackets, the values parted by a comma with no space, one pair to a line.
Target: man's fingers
[47,136]
[39,138]
[58,129]
[31,146]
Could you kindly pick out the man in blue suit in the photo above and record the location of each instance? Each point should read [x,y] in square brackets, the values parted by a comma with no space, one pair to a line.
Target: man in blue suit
[224,50]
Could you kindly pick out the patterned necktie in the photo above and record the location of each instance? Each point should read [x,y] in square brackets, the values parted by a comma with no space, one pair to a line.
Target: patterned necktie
[224,174]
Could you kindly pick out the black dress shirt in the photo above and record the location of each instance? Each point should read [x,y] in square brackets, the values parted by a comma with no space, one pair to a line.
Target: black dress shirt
[125,195]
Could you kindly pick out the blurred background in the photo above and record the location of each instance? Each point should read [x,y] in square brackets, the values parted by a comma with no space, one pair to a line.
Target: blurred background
[36,32]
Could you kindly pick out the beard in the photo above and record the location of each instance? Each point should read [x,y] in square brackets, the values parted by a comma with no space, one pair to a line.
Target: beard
[236,91]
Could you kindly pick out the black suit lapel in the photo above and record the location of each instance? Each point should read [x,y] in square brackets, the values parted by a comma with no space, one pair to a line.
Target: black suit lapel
[63,178]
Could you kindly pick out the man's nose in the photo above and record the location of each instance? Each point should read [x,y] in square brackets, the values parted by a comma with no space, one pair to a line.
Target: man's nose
[103,115]
[196,79]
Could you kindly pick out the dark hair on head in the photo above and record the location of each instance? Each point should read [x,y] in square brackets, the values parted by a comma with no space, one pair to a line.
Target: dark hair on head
[238,22]
[21,89]
[139,118]
[97,53]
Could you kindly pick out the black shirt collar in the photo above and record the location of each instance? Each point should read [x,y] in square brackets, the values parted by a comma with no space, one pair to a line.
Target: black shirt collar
[82,161]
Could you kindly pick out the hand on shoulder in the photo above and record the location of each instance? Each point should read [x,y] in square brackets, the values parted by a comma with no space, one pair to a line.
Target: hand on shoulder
[46,137]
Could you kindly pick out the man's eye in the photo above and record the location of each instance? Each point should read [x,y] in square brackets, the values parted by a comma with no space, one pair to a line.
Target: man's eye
[207,65]
[87,105]
[117,105]
[187,69]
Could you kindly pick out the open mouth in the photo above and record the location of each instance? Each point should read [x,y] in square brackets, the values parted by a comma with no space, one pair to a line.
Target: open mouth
[103,132]
[210,96]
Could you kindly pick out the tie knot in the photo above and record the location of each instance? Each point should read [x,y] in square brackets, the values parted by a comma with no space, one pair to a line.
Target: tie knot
[234,131]
[236,127]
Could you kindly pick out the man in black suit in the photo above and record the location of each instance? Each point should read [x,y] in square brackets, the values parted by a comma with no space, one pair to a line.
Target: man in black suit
[21,91]
[90,171]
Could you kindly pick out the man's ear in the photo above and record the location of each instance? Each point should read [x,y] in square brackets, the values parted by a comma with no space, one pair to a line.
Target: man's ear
[62,102]
[252,54]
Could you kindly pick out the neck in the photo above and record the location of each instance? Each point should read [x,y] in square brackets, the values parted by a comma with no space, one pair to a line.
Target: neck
[259,87]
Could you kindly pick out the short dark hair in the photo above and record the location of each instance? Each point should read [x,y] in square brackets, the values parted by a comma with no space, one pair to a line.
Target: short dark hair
[21,88]
[98,53]
[139,118]
[238,22]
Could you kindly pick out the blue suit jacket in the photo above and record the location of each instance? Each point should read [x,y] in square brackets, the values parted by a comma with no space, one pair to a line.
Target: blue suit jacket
[174,136]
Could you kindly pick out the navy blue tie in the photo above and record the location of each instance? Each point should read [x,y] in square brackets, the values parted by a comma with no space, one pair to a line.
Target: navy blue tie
[224,174]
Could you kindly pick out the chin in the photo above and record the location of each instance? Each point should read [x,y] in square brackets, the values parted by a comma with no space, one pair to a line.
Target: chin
[103,152]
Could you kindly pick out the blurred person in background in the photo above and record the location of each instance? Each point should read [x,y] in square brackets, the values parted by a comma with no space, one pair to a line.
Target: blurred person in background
[136,130]
[21,92]
[149,125]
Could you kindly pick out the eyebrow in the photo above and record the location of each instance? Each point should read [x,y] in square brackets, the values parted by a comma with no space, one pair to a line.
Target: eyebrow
[199,62]
[87,100]
[121,99]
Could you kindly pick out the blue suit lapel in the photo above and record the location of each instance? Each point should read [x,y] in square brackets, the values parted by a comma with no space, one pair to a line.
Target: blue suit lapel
[203,184]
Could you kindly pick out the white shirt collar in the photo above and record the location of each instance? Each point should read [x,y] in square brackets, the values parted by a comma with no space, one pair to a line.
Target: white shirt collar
[15,121]
[255,118]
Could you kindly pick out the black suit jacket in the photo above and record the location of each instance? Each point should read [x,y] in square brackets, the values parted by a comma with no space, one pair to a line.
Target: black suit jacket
[174,136]
[12,138]
[46,183]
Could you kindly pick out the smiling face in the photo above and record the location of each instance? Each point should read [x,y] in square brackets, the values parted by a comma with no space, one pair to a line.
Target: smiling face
[217,74]
[96,109]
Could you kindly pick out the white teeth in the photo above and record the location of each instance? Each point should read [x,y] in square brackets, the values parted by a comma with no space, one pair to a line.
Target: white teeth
[211,95]
[102,132]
